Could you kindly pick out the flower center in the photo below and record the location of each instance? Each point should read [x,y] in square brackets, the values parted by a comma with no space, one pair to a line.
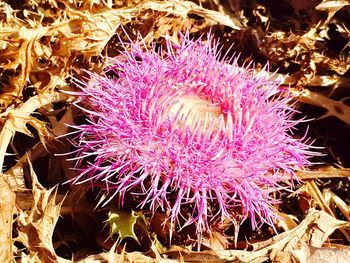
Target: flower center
[192,110]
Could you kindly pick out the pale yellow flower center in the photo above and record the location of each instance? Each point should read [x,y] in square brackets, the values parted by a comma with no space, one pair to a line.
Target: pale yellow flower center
[193,110]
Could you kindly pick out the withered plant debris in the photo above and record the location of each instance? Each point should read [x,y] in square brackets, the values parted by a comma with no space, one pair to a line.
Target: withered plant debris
[44,43]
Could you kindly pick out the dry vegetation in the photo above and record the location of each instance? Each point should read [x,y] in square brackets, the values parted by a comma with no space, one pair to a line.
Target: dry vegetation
[43,43]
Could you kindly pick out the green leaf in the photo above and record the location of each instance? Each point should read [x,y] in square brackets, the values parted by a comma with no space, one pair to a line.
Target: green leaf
[123,223]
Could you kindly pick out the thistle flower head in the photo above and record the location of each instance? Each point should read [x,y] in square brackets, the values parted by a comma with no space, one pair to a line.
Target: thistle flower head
[185,128]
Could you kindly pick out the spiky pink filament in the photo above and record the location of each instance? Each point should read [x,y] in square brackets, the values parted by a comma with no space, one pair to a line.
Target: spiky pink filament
[185,128]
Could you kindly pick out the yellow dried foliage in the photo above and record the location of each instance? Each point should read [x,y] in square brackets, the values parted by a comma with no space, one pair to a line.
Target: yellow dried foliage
[7,209]
[291,246]
[35,226]
[44,43]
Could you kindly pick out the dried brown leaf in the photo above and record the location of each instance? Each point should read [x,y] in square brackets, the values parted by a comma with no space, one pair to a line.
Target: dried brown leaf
[16,120]
[325,172]
[287,222]
[335,108]
[217,241]
[331,7]
[7,210]
[114,257]
[313,230]
[15,175]
[185,8]
[312,254]
[35,226]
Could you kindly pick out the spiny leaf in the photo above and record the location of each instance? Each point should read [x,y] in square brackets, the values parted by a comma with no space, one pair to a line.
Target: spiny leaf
[123,223]
[16,120]
[7,209]
[36,225]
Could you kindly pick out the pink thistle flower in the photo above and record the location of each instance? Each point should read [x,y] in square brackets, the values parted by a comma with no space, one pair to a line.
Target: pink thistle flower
[186,128]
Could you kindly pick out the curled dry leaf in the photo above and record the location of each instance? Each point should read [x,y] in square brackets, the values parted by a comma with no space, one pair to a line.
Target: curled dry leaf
[331,7]
[312,254]
[325,172]
[338,202]
[307,48]
[15,175]
[185,8]
[289,246]
[127,257]
[7,210]
[45,55]
[35,226]
[335,108]
[313,230]
[15,120]
[49,52]
[321,200]
[287,222]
